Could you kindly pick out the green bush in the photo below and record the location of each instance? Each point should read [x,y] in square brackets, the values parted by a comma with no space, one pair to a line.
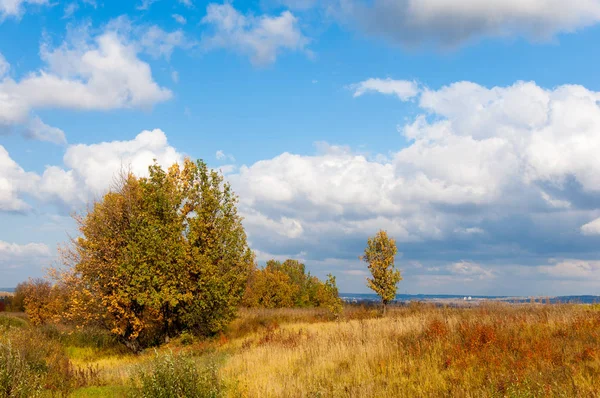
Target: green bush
[17,377]
[172,376]
[12,321]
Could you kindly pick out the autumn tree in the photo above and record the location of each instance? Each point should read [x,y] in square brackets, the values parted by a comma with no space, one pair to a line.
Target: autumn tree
[287,284]
[270,288]
[379,255]
[328,296]
[41,300]
[158,255]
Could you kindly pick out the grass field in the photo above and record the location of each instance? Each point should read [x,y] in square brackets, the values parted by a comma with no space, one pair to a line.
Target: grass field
[498,350]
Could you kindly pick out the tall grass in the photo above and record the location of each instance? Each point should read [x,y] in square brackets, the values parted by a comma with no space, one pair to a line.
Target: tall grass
[419,350]
[176,375]
[493,350]
[30,361]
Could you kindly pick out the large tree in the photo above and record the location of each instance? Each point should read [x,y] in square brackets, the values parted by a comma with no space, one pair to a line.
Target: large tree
[158,255]
[379,255]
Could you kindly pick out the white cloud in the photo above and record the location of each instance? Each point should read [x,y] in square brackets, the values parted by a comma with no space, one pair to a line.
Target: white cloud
[469,231]
[573,269]
[87,172]
[261,38]
[403,89]
[19,261]
[180,19]
[84,73]
[356,272]
[450,22]
[4,66]
[90,169]
[14,181]
[187,3]
[591,228]
[70,9]
[145,5]
[475,157]
[470,271]
[287,227]
[11,251]
[16,8]
[38,130]
[220,155]
[159,43]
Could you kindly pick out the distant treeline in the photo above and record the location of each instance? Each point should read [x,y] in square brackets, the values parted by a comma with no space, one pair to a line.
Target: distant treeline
[287,284]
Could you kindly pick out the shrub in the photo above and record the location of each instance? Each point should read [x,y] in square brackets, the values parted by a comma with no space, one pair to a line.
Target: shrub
[31,358]
[17,377]
[11,321]
[176,376]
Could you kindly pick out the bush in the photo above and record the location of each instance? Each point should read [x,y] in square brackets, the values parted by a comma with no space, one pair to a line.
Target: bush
[11,321]
[176,376]
[32,361]
[17,377]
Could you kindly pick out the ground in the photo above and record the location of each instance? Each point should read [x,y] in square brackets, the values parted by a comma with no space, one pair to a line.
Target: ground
[490,349]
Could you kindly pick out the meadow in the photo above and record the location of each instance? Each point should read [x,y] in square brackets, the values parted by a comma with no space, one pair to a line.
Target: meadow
[486,350]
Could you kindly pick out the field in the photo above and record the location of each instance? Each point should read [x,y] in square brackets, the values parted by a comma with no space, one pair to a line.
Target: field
[493,349]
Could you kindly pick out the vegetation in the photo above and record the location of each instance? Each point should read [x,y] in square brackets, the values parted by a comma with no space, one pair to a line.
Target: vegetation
[485,350]
[379,254]
[173,375]
[163,261]
[287,284]
[157,256]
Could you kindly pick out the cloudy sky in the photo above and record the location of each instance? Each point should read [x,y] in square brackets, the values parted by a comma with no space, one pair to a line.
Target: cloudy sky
[468,129]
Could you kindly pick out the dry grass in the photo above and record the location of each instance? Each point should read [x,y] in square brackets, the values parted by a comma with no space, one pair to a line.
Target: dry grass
[503,350]
[493,350]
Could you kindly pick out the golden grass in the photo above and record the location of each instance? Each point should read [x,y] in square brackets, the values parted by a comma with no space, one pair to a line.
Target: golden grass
[489,350]
[495,350]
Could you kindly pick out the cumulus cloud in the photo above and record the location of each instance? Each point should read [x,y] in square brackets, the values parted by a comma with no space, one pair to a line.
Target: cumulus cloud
[14,181]
[573,269]
[471,271]
[87,171]
[17,260]
[11,251]
[90,169]
[16,8]
[451,23]
[83,73]
[159,43]
[261,38]
[498,173]
[38,130]
[403,89]
[591,228]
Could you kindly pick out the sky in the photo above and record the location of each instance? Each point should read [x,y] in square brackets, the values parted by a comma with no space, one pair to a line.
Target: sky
[468,129]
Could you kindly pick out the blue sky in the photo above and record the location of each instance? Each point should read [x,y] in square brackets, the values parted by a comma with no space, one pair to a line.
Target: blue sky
[467,129]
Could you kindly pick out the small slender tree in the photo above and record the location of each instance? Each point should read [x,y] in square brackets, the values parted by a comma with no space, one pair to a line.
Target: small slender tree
[379,254]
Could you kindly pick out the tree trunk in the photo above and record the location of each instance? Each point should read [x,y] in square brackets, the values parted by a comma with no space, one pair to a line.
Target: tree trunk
[133,345]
